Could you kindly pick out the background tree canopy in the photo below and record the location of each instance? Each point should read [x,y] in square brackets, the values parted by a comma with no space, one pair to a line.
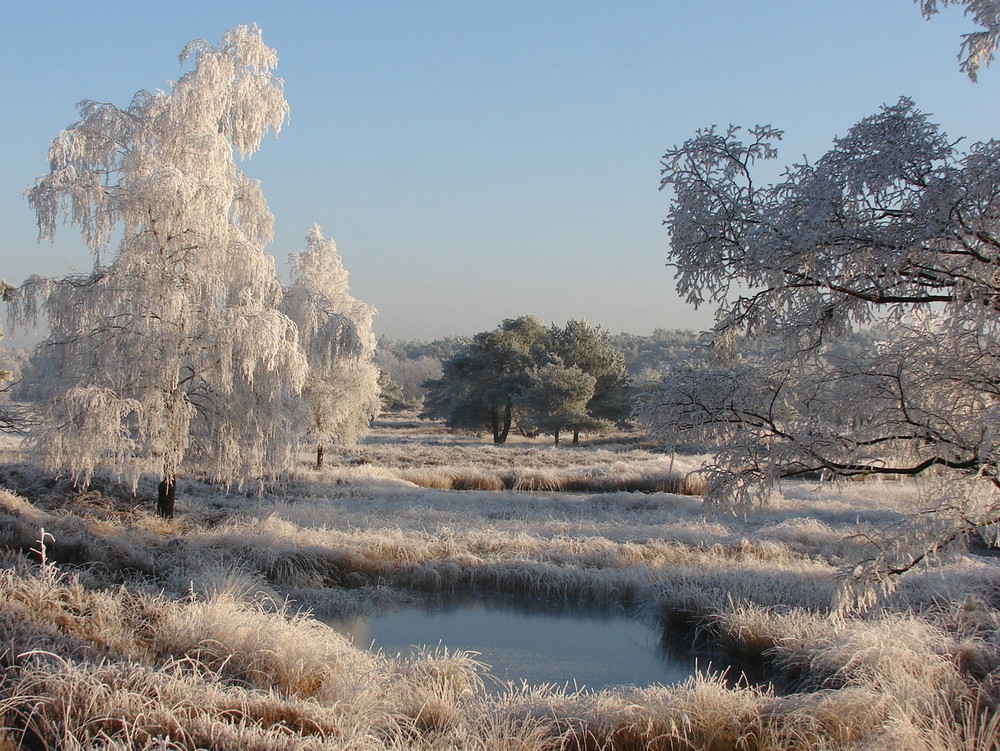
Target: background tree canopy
[553,378]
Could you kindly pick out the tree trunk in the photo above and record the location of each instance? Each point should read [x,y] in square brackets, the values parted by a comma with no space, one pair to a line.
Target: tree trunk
[319,456]
[508,417]
[576,437]
[556,436]
[166,493]
[501,423]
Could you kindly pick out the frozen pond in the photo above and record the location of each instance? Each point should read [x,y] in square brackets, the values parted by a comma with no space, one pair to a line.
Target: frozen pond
[536,644]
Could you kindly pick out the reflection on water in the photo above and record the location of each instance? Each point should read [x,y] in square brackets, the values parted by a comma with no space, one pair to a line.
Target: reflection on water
[537,644]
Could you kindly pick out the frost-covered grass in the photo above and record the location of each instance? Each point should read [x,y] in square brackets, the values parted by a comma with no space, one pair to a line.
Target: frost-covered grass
[143,633]
[448,461]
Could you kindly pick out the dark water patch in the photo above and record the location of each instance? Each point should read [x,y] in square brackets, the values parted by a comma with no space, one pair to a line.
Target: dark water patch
[543,643]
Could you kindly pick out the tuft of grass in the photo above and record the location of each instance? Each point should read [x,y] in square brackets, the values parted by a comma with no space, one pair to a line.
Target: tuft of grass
[553,481]
[429,477]
[969,726]
[701,713]
[267,648]
[478,481]
[677,483]
[54,703]
[434,685]
[848,718]
[500,732]
[538,480]
[748,630]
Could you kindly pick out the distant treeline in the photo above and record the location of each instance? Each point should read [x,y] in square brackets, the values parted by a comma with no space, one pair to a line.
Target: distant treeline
[648,358]
[410,362]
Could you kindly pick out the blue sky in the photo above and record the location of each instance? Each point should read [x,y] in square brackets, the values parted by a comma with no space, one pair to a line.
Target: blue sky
[477,161]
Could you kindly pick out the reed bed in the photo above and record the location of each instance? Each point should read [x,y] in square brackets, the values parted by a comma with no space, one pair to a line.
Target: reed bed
[533,480]
[457,462]
[132,632]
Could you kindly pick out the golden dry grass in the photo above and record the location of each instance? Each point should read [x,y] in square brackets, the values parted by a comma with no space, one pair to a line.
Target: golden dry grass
[565,481]
[145,634]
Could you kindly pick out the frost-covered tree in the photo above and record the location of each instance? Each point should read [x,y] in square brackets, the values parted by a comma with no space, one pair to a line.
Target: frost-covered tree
[335,331]
[978,46]
[556,401]
[894,226]
[589,348]
[172,350]
[486,384]
[481,383]
[11,420]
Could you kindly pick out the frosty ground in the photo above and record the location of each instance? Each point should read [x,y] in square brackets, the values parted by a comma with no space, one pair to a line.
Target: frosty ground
[122,630]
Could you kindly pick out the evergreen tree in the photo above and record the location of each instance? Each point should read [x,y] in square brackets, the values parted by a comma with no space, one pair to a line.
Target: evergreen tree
[541,372]
[557,400]
[480,384]
[589,348]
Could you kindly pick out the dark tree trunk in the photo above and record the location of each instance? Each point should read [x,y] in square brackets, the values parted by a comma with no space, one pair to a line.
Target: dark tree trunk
[556,436]
[319,456]
[576,437]
[508,416]
[495,425]
[500,423]
[166,493]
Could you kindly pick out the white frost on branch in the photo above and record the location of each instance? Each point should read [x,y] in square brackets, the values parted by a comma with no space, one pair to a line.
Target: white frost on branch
[978,46]
[894,231]
[172,351]
[335,332]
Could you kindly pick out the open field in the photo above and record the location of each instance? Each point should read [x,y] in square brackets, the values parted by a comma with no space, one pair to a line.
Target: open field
[133,632]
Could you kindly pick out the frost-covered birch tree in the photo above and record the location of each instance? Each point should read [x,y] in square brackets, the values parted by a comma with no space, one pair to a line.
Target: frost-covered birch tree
[171,352]
[335,332]
[894,228]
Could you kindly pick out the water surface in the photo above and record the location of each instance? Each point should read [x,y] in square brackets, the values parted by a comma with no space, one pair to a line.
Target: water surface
[536,643]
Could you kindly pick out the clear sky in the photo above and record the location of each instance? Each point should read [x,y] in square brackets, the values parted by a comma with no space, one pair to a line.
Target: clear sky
[478,160]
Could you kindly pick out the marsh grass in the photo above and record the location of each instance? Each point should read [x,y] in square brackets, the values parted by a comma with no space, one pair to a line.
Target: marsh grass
[455,462]
[144,634]
[552,481]
[969,727]
[233,670]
